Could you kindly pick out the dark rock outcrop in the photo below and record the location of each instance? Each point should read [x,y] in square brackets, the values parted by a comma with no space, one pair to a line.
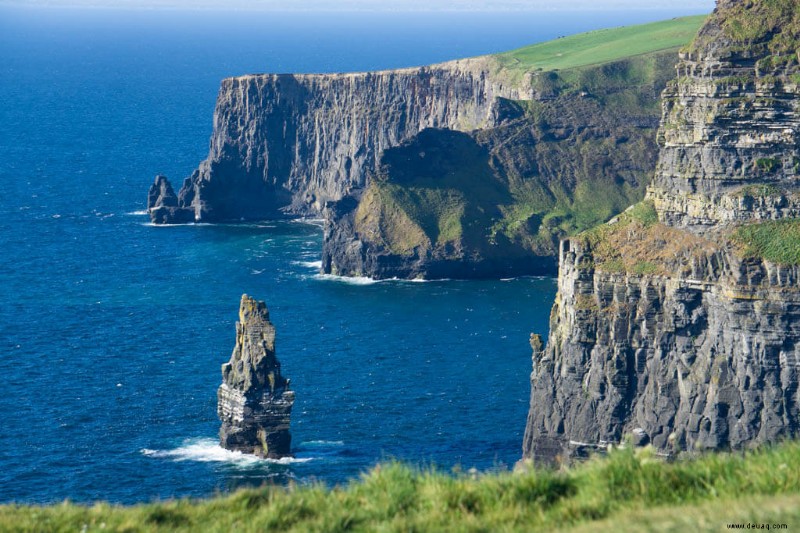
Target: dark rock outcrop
[664,327]
[254,402]
[163,204]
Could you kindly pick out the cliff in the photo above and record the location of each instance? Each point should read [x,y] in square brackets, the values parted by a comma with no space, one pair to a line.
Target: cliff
[254,402]
[495,202]
[289,143]
[550,126]
[678,322]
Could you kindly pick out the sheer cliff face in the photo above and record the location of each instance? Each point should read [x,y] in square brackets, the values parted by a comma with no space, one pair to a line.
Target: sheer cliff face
[290,143]
[705,359]
[668,326]
[730,120]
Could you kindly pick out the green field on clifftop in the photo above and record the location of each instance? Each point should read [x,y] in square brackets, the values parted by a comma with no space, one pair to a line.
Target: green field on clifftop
[603,46]
[629,490]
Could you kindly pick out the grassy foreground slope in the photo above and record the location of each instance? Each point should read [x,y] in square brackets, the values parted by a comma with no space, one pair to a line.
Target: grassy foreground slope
[626,491]
[603,46]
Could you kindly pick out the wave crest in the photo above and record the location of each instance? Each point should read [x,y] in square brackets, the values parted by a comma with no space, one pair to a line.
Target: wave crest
[209,451]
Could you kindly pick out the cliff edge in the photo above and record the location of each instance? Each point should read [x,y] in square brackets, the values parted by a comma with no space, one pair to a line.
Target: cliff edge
[678,322]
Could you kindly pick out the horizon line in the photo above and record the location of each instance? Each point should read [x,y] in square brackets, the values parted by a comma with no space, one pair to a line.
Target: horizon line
[353,9]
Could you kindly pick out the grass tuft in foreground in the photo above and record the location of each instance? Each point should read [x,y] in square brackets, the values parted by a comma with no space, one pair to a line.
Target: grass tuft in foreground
[627,487]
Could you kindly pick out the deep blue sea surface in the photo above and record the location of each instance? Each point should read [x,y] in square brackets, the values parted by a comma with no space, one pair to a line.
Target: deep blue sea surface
[112,332]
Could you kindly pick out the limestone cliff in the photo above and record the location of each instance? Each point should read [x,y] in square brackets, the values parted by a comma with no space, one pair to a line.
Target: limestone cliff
[679,321]
[289,143]
[254,402]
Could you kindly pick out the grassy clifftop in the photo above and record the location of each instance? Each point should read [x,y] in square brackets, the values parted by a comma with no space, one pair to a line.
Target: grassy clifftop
[603,46]
[627,490]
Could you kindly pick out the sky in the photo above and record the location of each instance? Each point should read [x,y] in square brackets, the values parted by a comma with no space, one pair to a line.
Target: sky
[376,5]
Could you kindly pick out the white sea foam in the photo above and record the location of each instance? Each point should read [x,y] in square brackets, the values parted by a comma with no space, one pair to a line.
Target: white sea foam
[308,264]
[313,221]
[323,443]
[362,280]
[151,225]
[140,213]
[347,280]
[209,451]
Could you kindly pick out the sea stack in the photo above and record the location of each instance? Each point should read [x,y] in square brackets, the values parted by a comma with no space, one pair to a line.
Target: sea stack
[254,402]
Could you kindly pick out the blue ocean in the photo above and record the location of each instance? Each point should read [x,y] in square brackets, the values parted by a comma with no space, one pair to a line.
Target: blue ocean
[112,331]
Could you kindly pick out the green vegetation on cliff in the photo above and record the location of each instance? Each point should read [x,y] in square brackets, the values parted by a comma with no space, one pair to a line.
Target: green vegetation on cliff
[749,26]
[580,150]
[627,487]
[777,241]
[552,167]
[603,46]
[435,191]
[636,243]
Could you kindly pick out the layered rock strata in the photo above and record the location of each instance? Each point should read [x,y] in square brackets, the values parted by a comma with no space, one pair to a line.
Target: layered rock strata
[254,402]
[671,324]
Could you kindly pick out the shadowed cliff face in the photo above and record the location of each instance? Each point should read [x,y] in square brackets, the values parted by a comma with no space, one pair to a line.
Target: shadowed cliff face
[287,144]
[494,202]
[678,322]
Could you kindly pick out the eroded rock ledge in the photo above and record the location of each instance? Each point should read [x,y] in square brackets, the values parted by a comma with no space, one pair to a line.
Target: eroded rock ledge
[254,402]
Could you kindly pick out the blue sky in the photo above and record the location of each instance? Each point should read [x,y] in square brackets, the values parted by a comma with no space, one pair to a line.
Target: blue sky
[377,5]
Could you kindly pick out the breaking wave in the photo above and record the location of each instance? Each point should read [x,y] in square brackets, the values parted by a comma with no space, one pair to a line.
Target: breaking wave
[209,451]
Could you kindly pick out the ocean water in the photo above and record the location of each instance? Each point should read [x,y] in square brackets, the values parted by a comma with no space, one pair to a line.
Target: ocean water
[112,331]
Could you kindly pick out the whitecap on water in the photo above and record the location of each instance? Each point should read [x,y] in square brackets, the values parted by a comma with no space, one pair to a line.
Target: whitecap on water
[188,224]
[140,213]
[312,221]
[209,451]
[308,264]
[347,280]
